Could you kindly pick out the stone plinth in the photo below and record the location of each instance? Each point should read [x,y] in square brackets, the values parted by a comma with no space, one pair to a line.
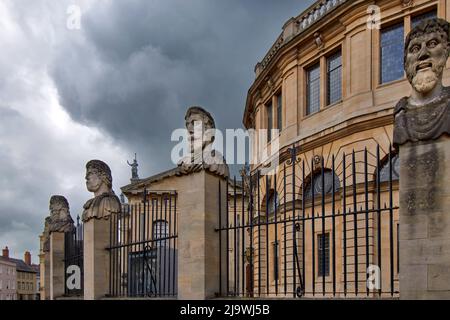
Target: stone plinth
[425,220]
[96,258]
[57,271]
[198,260]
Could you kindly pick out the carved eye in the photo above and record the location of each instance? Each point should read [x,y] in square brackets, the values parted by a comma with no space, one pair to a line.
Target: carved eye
[415,49]
[432,44]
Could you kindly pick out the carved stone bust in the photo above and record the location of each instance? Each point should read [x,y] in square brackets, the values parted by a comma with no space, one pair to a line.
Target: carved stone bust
[58,221]
[105,201]
[201,128]
[425,115]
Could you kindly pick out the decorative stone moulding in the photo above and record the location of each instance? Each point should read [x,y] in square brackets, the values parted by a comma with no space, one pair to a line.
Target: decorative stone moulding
[304,22]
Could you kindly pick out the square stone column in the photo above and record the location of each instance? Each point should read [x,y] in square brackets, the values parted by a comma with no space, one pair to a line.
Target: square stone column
[425,220]
[44,266]
[96,258]
[198,260]
[57,269]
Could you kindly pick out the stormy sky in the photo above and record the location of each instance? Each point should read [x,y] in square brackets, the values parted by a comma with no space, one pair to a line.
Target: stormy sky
[119,84]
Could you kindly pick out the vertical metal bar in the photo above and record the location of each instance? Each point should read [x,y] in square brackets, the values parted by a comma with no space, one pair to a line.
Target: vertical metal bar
[345,223]
[165,246]
[303,226]
[355,221]
[391,222]
[294,249]
[228,242]
[175,247]
[142,232]
[235,249]
[323,226]
[111,292]
[267,234]
[333,209]
[243,235]
[259,235]
[285,231]
[160,278]
[313,233]
[366,197]
[220,239]
[379,217]
[251,289]
[170,234]
[276,269]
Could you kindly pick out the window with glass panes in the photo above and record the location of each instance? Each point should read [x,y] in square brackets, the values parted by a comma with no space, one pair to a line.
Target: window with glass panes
[279,112]
[313,89]
[323,241]
[392,46]
[269,121]
[424,16]
[334,78]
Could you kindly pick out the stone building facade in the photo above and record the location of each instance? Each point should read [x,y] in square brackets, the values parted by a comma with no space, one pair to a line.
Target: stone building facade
[330,83]
[8,277]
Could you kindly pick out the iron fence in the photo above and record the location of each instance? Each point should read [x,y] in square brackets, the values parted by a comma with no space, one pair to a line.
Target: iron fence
[143,248]
[320,227]
[73,257]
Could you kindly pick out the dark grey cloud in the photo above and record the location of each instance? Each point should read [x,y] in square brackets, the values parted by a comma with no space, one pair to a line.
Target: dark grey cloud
[119,85]
[142,63]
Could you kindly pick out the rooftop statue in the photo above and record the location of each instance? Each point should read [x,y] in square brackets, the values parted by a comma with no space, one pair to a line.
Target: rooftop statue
[425,114]
[105,201]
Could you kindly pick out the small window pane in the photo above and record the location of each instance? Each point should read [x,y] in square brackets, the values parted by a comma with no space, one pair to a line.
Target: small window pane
[421,17]
[280,112]
[334,71]
[269,122]
[323,254]
[313,90]
[392,43]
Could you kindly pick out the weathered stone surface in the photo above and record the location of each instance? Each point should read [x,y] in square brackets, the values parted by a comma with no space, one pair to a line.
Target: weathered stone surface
[57,271]
[421,131]
[202,156]
[99,181]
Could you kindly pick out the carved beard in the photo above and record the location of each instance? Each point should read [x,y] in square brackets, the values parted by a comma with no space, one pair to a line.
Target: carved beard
[425,81]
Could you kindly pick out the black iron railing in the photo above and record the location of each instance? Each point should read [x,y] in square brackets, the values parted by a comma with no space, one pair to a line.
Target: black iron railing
[73,260]
[327,227]
[143,248]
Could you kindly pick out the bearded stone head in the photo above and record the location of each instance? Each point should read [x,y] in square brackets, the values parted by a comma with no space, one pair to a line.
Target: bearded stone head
[426,53]
[59,207]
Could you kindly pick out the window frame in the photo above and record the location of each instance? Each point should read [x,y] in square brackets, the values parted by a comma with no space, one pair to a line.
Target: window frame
[327,235]
[313,66]
[390,24]
[328,72]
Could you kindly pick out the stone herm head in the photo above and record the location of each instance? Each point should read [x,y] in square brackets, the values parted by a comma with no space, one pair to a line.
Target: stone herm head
[59,207]
[426,52]
[98,177]
[196,116]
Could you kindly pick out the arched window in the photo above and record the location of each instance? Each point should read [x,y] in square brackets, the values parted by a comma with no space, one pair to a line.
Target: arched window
[273,201]
[316,184]
[385,168]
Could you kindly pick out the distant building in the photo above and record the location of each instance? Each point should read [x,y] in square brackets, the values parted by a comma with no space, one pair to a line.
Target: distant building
[25,276]
[7,277]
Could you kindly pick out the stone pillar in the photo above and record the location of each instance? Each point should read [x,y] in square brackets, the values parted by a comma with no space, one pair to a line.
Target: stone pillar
[44,265]
[425,220]
[96,258]
[198,252]
[57,270]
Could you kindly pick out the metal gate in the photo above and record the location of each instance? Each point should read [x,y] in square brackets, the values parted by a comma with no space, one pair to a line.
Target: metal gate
[73,261]
[143,247]
[324,226]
